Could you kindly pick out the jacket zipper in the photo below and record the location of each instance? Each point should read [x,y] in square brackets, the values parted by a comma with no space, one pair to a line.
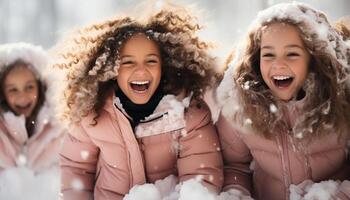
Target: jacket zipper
[153,119]
[131,178]
[285,162]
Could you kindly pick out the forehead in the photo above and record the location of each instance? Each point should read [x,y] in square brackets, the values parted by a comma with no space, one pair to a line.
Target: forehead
[280,32]
[19,73]
[139,42]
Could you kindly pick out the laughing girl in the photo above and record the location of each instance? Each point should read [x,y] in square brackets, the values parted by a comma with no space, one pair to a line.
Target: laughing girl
[133,102]
[30,135]
[286,111]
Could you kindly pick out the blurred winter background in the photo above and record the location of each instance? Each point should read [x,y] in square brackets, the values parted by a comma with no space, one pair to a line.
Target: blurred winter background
[43,22]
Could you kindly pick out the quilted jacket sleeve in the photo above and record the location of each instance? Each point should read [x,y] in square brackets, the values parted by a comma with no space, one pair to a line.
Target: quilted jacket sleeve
[78,161]
[200,152]
[237,158]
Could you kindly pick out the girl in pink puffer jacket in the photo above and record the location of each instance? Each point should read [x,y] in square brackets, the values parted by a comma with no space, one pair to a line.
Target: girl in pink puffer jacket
[30,136]
[285,116]
[133,102]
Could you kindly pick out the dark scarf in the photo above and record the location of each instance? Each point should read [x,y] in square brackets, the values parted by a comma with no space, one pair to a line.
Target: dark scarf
[138,112]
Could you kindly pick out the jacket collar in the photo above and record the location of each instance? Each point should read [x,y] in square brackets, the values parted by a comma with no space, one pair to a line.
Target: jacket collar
[168,115]
[17,129]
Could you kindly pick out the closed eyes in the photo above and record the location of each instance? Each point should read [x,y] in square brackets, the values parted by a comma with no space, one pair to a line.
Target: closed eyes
[268,55]
[127,62]
[293,54]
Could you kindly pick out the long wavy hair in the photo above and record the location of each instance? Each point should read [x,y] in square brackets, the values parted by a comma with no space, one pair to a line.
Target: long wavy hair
[327,95]
[91,58]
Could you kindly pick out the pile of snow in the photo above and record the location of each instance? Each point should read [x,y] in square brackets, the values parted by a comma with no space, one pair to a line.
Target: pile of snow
[21,183]
[168,189]
[324,190]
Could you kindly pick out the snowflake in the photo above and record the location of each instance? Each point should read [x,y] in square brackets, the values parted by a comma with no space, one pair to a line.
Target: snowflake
[273,108]
[84,154]
[77,184]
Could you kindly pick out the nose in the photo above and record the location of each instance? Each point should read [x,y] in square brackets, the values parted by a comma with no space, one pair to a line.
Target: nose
[279,64]
[23,99]
[140,69]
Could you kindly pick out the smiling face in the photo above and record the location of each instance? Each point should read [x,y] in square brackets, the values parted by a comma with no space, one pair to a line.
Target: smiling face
[283,60]
[140,68]
[21,90]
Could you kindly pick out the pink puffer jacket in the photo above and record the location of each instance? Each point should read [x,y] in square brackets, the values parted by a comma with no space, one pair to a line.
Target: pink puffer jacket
[39,152]
[265,168]
[104,161]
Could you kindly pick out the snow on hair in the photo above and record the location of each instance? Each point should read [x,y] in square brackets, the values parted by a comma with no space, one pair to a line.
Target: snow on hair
[244,87]
[91,58]
[34,55]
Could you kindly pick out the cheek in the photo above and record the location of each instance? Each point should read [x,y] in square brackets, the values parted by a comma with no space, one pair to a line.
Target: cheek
[264,71]
[35,95]
[122,80]
[156,72]
[302,71]
[10,100]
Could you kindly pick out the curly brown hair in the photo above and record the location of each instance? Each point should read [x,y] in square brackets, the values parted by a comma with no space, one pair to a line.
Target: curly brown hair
[342,25]
[91,58]
[327,95]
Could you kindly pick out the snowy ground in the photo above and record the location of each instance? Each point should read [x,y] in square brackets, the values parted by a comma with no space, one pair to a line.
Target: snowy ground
[21,183]
[168,189]
[324,190]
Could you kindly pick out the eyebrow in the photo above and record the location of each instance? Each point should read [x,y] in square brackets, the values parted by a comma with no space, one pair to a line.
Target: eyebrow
[295,45]
[125,56]
[14,85]
[151,54]
[9,85]
[266,47]
[288,46]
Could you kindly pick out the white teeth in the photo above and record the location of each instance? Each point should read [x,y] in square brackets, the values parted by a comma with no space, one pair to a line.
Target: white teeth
[140,82]
[280,78]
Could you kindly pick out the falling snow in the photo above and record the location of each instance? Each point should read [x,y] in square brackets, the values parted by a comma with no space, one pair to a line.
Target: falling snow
[84,154]
[21,160]
[77,184]
[273,108]
[248,121]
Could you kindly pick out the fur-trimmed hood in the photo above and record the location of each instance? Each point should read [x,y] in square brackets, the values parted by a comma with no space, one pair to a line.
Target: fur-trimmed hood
[39,151]
[38,59]
[314,25]
[34,55]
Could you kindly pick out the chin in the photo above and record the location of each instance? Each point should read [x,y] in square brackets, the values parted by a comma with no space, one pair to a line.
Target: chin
[140,101]
[282,97]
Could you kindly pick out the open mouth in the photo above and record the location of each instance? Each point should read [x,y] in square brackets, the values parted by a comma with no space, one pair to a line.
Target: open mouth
[282,81]
[23,108]
[140,86]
